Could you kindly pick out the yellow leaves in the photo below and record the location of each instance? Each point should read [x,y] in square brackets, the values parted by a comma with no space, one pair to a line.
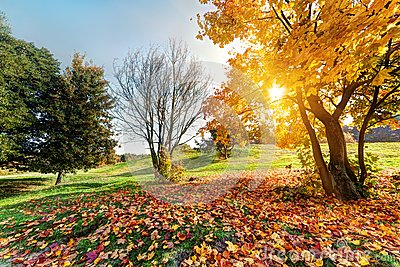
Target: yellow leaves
[279,242]
[203,253]
[374,246]
[153,246]
[238,264]
[150,255]
[58,252]
[141,257]
[203,249]
[71,242]
[96,261]
[44,246]
[319,262]
[356,242]
[231,247]
[363,261]
[342,42]
[381,77]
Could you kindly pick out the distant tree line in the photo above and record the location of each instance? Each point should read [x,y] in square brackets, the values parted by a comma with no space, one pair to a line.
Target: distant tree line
[379,134]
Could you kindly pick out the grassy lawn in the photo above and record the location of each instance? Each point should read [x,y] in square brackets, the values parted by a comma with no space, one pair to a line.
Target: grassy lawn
[103,218]
[23,187]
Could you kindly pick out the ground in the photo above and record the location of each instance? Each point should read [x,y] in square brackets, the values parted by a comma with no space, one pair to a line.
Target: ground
[266,218]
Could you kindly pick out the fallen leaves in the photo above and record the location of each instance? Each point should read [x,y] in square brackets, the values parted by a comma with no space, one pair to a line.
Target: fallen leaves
[242,228]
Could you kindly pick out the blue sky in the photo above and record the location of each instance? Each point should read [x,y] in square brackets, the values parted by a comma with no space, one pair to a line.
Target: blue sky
[107,29]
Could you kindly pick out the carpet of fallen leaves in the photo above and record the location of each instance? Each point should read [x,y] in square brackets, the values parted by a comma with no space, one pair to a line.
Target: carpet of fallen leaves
[280,223]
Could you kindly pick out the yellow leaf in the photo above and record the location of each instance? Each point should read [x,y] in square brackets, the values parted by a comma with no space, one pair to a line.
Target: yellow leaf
[381,76]
[363,261]
[356,242]
[67,263]
[141,257]
[231,247]
[96,261]
[44,246]
[175,226]
[150,255]
[71,242]
[275,236]
[319,262]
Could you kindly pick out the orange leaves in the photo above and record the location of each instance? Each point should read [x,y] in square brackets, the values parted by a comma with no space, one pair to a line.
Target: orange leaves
[181,236]
[242,228]
[318,47]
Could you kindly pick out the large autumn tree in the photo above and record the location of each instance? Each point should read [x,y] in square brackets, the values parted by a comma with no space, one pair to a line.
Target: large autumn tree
[322,52]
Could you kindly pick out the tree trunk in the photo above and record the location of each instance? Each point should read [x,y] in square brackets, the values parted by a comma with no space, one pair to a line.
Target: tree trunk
[324,173]
[349,170]
[361,143]
[361,136]
[338,166]
[59,178]
[343,186]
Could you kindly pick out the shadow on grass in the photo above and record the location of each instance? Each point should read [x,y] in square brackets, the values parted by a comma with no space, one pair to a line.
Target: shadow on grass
[15,186]
[124,175]
[71,191]
[84,185]
[143,171]
[201,161]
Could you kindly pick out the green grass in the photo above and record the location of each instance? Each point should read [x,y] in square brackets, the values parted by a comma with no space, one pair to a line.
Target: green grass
[18,188]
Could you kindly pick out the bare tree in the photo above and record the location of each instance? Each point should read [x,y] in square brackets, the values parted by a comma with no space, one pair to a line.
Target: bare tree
[159,96]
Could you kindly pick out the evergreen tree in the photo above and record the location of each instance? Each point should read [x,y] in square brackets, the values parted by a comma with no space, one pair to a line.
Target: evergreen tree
[76,124]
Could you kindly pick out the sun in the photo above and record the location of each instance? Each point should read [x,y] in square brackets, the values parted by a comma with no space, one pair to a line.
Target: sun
[276,92]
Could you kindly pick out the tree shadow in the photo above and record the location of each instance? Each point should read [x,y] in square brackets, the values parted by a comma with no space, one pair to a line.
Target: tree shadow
[143,171]
[201,161]
[124,175]
[84,185]
[15,186]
